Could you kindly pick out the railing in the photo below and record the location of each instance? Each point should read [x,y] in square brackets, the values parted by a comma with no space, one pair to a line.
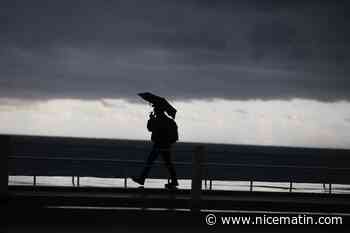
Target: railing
[115,162]
[203,166]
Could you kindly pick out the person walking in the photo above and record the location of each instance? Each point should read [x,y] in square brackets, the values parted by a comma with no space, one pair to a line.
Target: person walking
[164,134]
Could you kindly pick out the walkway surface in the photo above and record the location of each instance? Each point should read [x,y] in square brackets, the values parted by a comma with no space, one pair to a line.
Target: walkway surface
[178,199]
[71,209]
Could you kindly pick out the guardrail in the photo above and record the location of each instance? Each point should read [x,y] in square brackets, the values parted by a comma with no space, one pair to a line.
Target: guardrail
[4,154]
[118,163]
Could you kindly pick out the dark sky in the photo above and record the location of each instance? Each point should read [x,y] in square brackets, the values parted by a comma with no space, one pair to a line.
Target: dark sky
[183,49]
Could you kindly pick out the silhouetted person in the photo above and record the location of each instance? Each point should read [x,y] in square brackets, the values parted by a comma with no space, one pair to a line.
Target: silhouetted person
[163,136]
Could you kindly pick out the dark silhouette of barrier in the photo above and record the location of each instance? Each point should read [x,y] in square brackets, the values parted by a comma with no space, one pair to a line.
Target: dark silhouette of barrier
[4,154]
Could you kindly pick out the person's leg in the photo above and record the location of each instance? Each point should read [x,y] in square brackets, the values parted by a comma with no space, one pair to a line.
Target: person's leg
[167,159]
[152,156]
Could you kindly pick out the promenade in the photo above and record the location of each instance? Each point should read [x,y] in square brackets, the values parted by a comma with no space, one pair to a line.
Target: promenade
[180,199]
[68,209]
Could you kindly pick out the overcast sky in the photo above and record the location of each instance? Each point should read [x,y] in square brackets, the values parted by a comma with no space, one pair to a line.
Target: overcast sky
[240,58]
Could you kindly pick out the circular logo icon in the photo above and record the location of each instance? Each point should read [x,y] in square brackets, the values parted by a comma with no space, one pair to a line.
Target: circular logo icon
[210,219]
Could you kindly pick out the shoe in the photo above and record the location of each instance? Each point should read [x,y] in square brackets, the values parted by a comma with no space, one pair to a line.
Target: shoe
[172,185]
[175,183]
[138,180]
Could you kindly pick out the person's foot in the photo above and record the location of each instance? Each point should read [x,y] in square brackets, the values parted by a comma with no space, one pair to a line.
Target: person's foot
[172,185]
[138,180]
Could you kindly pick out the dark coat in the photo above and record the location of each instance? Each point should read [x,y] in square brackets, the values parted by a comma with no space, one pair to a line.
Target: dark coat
[160,128]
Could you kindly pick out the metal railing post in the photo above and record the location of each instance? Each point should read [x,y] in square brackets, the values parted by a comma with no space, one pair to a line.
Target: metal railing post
[196,184]
[5,151]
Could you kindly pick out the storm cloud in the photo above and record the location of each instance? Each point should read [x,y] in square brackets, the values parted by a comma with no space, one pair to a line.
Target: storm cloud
[182,49]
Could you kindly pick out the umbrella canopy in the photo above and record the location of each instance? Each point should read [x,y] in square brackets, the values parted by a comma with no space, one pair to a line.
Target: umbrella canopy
[159,102]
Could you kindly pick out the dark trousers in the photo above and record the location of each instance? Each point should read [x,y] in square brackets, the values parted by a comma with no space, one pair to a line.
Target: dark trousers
[165,152]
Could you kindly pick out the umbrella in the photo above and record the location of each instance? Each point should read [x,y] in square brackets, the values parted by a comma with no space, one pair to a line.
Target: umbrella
[160,102]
